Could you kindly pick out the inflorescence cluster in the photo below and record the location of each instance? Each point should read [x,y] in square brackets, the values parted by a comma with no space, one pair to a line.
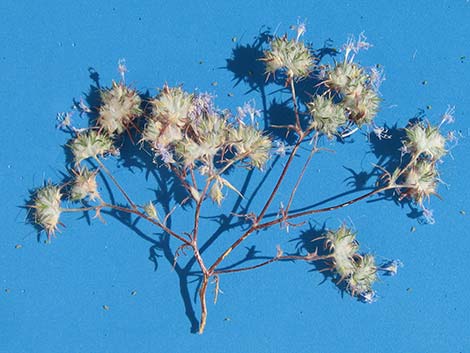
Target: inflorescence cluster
[188,134]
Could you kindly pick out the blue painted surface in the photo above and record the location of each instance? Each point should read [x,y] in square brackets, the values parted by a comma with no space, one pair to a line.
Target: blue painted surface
[52,295]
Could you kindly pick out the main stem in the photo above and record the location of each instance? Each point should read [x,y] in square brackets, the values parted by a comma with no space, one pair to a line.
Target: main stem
[202,298]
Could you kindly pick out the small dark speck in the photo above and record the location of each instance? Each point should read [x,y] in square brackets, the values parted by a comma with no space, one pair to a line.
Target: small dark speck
[462,58]
[140,18]
[134,293]
[227,319]
[230,94]
[463,213]
[424,83]
[7,290]
[409,290]
[18,246]
[413,229]
[429,107]
[106,307]
[215,83]
[234,39]
[201,62]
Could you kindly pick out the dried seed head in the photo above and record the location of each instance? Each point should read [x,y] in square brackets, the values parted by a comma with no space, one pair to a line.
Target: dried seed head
[425,139]
[363,276]
[423,175]
[343,245]
[120,106]
[47,207]
[90,144]
[84,185]
[249,141]
[344,76]
[327,116]
[362,104]
[172,106]
[291,56]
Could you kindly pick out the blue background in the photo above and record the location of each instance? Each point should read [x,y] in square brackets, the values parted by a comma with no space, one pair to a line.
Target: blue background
[52,295]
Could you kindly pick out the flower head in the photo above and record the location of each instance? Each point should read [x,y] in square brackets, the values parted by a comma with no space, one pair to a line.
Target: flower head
[345,76]
[251,142]
[422,179]
[363,276]
[327,116]
[362,104]
[120,106]
[288,55]
[90,144]
[47,209]
[343,245]
[425,139]
[172,106]
[84,185]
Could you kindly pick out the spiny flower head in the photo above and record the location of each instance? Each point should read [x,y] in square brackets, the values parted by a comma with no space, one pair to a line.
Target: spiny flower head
[209,136]
[363,276]
[191,151]
[425,139]
[84,185]
[120,106]
[327,116]
[343,246]
[362,104]
[47,207]
[90,144]
[158,134]
[423,179]
[344,76]
[291,56]
[251,142]
[172,106]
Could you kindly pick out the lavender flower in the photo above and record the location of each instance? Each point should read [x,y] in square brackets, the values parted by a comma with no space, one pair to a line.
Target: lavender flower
[248,109]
